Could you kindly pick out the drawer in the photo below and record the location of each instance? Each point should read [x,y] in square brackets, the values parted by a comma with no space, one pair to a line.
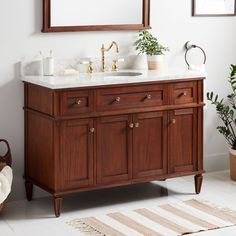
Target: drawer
[183,93]
[131,97]
[76,102]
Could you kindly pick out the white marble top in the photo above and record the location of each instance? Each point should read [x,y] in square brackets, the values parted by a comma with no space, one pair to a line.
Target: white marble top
[100,79]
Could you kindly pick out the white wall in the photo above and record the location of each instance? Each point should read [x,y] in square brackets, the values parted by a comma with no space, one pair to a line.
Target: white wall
[20,36]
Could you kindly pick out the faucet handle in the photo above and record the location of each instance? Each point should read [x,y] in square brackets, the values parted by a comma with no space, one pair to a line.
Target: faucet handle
[89,63]
[90,67]
[115,63]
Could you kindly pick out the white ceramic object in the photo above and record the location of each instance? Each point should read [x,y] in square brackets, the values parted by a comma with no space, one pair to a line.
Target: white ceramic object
[155,62]
[136,62]
[48,66]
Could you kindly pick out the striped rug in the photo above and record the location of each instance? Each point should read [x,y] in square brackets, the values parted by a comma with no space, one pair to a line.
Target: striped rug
[178,218]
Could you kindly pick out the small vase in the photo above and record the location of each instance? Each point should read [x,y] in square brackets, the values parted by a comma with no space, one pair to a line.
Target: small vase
[155,62]
[232,157]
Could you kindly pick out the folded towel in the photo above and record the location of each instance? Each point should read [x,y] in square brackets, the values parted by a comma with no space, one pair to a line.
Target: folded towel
[6,177]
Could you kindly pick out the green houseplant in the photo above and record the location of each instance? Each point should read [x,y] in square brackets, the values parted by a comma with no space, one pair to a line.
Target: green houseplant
[226,110]
[149,45]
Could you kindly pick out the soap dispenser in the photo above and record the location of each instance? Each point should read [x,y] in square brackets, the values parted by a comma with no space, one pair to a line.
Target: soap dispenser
[48,65]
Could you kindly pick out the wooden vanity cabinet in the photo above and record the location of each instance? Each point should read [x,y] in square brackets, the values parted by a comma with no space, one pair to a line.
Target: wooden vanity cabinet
[82,139]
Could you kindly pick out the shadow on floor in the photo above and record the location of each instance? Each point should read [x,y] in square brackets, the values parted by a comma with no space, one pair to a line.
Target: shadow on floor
[42,208]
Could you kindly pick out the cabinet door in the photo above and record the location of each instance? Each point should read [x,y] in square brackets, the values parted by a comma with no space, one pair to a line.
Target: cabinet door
[113,149]
[183,131]
[150,145]
[77,138]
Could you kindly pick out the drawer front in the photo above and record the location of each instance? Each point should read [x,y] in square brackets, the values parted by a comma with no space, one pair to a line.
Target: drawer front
[131,97]
[183,93]
[77,102]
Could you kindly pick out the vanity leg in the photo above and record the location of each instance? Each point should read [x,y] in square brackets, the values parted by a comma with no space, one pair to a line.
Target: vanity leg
[29,190]
[57,206]
[198,183]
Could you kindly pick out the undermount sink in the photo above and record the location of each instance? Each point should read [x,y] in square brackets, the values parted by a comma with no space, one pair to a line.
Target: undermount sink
[120,74]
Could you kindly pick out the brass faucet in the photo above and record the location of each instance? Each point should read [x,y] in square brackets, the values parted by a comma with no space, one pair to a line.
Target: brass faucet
[103,50]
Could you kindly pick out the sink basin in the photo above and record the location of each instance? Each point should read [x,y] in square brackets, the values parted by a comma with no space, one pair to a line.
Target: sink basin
[120,74]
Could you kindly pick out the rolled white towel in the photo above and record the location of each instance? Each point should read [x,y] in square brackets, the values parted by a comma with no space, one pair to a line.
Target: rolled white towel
[6,177]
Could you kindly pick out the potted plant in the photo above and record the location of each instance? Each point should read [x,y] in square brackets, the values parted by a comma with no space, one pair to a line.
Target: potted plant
[226,109]
[149,45]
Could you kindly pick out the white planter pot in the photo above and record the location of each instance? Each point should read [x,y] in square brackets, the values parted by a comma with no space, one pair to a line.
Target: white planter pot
[155,62]
[232,158]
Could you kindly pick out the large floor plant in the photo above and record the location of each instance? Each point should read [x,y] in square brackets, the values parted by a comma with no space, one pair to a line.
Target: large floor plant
[226,109]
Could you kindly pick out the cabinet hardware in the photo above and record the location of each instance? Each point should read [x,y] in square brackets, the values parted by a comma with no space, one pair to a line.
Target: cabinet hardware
[185,93]
[149,96]
[92,130]
[131,126]
[78,102]
[173,121]
[118,99]
[137,125]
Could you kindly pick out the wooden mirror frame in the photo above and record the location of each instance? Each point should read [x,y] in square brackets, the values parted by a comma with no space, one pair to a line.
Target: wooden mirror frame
[209,15]
[47,27]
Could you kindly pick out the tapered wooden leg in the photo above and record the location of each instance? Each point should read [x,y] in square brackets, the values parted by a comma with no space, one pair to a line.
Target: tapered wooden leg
[164,191]
[29,190]
[57,206]
[198,183]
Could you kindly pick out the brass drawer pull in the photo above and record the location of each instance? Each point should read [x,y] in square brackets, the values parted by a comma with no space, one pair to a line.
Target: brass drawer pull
[92,130]
[118,99]
[185,93]
[137,125]
[173,121]
[149,97]
[131,125]
[78,102]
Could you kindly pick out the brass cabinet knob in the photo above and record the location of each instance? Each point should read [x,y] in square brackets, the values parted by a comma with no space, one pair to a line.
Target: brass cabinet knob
[149,96]
[137,125]
[78,102]
[173,121]
[185,93]
[92,130]
[131,125]
[118,99]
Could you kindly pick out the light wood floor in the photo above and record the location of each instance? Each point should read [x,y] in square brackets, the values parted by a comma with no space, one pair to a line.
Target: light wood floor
[36,218]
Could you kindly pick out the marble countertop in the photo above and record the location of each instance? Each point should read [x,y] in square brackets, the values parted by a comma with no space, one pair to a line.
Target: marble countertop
[101,79]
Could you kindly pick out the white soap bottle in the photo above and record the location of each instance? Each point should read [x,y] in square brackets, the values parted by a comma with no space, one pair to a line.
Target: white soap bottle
[48,65]
[36,66]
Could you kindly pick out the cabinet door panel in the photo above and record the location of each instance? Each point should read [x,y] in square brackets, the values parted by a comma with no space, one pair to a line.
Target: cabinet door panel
[150,145]
[77,154]
[113,149]
[183,140]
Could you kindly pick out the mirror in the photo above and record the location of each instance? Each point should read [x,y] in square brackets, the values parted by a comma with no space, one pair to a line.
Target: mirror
[214,7]
[88,15]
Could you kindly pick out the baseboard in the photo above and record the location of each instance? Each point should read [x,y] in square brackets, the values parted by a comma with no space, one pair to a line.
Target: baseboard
[216,162]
